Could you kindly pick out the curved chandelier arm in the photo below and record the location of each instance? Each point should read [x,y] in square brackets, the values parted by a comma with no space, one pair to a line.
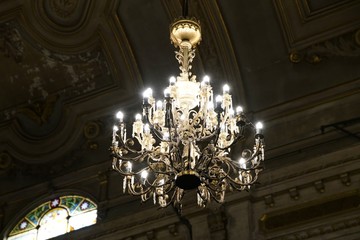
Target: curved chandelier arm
[127,145]
[243,186]
[232,143]
[217,195]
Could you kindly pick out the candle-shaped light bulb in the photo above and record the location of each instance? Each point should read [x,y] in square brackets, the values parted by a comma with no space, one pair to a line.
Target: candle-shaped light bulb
[166,136]
[159,105]
[115,129]
[129,166]
[172,80]
[147,93]
[138,117]
[218,101]
[167,92]
[205,81]
[239,110]
[144,174]
[161,182]
[120,116]
[226,89]
[146,129]
[259,126]
[242,163]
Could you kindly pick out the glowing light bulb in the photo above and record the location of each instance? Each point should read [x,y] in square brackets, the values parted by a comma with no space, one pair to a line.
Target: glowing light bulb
[218,101]
[167,92]
[166,136]
[159,105]
[206,80]
[242,162]
[115,128]
[239,110]
[146,128]
[129,166]
[138,117]
[120,116]
[148,93]
[172,80]
[226,88]
[144,174]
[259,126]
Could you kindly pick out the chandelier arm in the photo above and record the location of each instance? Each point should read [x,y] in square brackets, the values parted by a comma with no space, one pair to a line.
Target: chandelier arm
[229,166]
[204,156]
[207,138]
[135,158]
[204,197]
[135,193]
[234,183]
[170,201]
[237,139]
[127,147]
[211,191]
[235,186]
[159,172]
[153,129]
[256,153]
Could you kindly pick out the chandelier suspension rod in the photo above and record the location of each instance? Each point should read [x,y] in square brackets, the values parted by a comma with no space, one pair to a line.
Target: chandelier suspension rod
[185,9]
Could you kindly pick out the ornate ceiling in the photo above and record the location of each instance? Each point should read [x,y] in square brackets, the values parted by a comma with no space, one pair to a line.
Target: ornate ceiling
[67,66]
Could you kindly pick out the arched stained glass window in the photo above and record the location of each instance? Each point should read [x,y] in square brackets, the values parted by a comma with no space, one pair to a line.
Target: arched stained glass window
[55,217]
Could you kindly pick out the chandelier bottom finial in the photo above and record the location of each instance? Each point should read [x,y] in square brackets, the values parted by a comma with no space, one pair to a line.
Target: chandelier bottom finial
[187,180]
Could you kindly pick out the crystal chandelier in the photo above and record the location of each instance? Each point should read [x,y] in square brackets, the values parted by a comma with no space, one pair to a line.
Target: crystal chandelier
[184,141]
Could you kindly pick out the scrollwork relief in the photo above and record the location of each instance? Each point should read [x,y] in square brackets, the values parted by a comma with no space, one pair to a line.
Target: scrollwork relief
[347,45]
[63,8]
[310,233]
[40,111]
[11,42]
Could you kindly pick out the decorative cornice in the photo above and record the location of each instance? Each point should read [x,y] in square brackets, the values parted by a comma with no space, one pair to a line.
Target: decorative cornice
[308,170]
[304,26]
[302,213]
[346,45]
[320,230]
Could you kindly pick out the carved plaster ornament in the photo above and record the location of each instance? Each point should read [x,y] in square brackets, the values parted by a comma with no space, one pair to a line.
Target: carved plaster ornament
[11,42]
[41,111]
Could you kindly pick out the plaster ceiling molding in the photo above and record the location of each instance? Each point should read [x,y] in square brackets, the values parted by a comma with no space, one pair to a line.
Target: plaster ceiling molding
[70,13]
[11,43]
[315,29]
[63,26]
[42,73]
[307,216]
[59,77]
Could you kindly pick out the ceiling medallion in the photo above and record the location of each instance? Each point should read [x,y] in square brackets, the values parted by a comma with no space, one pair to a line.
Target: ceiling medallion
[184,141]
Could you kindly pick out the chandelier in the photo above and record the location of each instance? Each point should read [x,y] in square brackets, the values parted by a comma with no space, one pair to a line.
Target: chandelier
[185,141]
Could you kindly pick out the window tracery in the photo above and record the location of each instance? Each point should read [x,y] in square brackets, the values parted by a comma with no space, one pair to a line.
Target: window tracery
[55,217]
